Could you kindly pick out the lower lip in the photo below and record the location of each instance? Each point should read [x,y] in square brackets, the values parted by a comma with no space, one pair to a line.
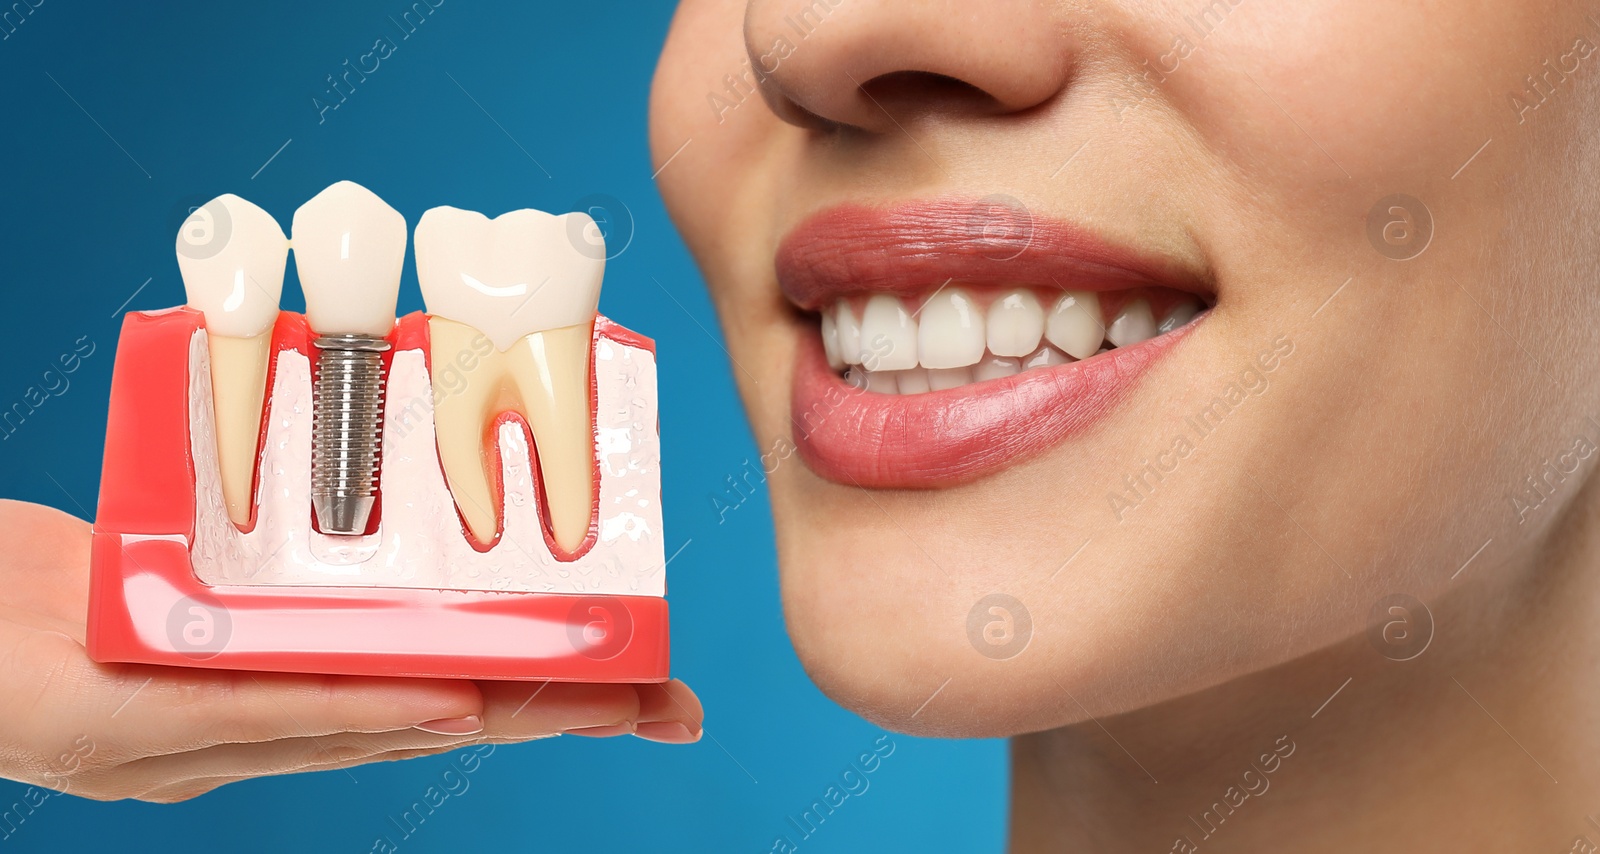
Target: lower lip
[955,436]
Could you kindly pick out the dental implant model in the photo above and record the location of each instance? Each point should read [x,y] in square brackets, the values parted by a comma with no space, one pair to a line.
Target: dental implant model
[349,247]
[468,493]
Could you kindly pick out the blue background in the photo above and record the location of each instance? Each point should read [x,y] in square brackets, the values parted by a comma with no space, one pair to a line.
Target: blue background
[178,103]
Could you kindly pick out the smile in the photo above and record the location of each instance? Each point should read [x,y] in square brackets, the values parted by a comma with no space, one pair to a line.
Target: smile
[954,339]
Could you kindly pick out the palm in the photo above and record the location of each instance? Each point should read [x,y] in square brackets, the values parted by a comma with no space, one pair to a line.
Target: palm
[166,734]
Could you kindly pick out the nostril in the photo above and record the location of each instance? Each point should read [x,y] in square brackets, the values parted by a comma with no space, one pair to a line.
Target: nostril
[928,91]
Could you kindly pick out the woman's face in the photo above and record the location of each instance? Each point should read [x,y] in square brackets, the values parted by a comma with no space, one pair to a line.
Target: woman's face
[1385,212]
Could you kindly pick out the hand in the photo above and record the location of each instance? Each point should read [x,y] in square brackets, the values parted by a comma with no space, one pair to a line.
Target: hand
[110,731]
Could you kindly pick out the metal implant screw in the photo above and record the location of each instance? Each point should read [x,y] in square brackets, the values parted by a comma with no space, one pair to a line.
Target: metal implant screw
[347,424]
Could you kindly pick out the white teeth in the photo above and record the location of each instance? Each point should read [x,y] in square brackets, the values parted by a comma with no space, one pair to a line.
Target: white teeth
[529,282]
[888,335]
[1044,357]
[830,342]
[940,379]
[997,367]
[1180,314]
[952,340]
[950,330]
[522,272]
[348,248]
[1074,324]
[231,255]
[849,334]
[914,381]
[882,382]
[1016,323]
[1133,324]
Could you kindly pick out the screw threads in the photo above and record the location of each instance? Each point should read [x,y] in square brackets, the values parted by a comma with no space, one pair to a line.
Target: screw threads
[347,413]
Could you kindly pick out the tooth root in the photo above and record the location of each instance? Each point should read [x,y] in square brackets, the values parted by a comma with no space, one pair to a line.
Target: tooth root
[888,335]
[1179,315]
[526,284]
[238,390]
[1016,323]
[552,373]
[1074,324]
[231,255]
[1134,323]
[467,393]
[950,330]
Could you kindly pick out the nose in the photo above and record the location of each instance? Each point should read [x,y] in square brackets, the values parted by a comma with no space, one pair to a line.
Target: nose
[871,63]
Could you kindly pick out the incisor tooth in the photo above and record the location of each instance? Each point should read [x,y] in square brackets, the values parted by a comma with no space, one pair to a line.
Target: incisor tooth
[1074,324]
[888,335]
[231,255]
[950,330]
[529,282]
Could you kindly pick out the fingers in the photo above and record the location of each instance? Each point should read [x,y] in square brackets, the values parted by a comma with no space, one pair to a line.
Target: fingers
[214,766]
[669,713]
[186,710]
[56,695]
[521,710]
[183,790]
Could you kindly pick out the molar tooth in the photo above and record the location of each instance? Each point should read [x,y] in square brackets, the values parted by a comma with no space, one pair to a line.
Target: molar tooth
[830,341]
[1133,324]
[950,330]
[940,379]
[519,291]
[1074,324]
[849,334]
[231,256]
[912,381]
[882,382]
[996,367]
[1016,323]
[1044,357]
[1180,314]
[888,335]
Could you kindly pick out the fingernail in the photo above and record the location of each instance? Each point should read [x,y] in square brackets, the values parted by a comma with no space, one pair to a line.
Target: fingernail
[453,726]
[600,731]
[667,732]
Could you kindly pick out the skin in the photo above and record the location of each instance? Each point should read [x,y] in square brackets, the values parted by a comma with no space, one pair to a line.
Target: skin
[1386,455]
[169,734]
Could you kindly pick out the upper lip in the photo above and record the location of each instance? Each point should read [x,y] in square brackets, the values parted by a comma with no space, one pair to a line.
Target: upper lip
[912,248]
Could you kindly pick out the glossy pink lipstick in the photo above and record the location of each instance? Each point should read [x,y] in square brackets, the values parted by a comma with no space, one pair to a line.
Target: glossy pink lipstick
[945,437]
